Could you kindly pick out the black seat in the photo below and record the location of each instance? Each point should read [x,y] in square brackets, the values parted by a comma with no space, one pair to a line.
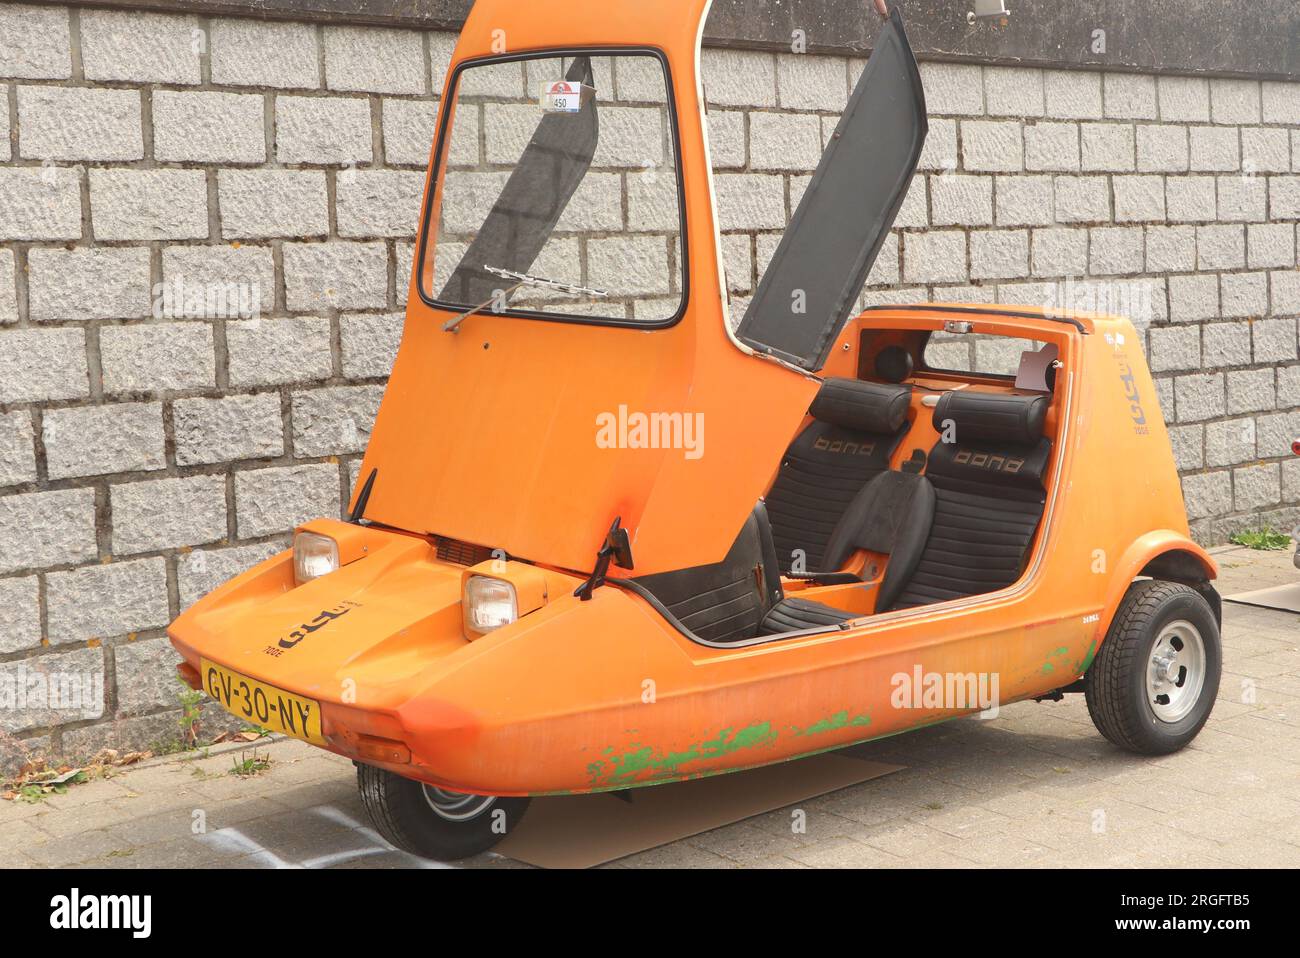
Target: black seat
[989,496]
[739,597]
[890,516]
[857,426]
[962,529]
[725,601]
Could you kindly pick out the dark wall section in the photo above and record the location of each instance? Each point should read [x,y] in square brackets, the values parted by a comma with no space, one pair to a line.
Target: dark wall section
[1258,38]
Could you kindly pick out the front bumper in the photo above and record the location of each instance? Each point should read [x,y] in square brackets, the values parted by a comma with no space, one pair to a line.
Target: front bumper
[373,644]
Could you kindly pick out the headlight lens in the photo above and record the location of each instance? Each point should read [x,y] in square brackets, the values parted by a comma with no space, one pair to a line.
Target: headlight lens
[314,555]
[489,604]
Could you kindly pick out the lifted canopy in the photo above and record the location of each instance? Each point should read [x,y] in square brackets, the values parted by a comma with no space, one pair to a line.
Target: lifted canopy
[530,432]
[812,285]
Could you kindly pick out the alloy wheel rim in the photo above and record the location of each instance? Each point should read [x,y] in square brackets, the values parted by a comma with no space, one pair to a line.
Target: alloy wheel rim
[1176,671]
[456,806]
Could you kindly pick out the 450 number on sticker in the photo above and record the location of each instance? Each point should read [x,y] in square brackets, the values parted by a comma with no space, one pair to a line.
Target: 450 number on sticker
[262,704]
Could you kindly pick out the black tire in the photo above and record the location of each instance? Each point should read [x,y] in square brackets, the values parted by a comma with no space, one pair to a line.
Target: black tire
[402,811]
[1121,699]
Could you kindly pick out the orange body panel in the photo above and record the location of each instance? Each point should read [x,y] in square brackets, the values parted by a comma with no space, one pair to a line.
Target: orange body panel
[484,437]
[487,435]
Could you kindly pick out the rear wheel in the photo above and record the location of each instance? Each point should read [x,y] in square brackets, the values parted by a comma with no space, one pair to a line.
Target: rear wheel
[1152,686]
[433,822]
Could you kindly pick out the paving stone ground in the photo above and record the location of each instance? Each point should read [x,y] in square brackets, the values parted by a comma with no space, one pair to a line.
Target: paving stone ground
[1037,786]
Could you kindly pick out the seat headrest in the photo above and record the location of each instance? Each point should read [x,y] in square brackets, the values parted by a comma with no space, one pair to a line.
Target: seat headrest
[992,463]
[862,406]
[893,364]
[992,417]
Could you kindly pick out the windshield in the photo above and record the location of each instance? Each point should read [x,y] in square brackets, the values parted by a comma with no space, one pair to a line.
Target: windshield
[562,167]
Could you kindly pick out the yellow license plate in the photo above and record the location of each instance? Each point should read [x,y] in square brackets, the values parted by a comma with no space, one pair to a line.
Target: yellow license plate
[261,704]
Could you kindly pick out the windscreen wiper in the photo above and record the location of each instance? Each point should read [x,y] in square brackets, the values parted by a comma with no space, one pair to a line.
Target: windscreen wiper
[521,279]
[617,549]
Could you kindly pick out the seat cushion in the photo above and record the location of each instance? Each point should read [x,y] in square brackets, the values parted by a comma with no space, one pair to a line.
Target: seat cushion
[794,614]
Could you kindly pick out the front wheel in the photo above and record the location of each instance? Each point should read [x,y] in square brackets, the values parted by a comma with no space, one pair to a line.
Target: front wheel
[432,822]
[1153,683]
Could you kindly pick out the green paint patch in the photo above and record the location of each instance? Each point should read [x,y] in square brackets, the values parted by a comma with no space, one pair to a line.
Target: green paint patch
[643,763]
[833,724]
[1051,666]
[596,786]
[1086,662]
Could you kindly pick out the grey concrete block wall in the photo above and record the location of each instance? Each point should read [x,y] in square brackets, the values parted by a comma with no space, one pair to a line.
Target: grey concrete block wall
[206,236]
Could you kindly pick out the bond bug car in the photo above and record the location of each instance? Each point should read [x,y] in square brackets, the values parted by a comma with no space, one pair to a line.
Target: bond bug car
[603,540]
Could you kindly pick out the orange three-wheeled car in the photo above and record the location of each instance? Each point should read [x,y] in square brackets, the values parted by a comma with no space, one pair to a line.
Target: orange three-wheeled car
[603,538]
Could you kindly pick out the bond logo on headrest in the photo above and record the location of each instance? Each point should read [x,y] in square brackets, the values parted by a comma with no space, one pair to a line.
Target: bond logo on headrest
[844,447]
[985,460]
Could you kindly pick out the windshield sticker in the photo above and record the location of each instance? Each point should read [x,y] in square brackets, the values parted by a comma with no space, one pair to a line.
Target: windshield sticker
[565,96]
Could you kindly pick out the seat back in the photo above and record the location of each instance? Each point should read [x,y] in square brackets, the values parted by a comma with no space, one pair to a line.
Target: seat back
[856,427]
[989,496]
[891,516]
[725,601]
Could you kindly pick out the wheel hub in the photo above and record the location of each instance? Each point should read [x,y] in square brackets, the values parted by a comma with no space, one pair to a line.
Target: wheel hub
[1176,672]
